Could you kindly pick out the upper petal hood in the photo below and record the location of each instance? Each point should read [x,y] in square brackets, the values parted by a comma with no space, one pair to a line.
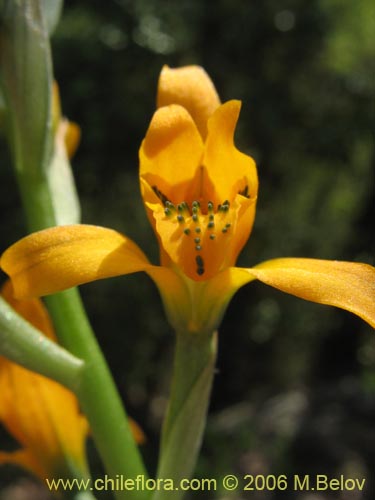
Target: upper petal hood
[192,88]
[170,154]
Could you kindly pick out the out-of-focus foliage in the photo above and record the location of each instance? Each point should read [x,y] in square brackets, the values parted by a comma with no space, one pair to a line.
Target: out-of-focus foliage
[295,388]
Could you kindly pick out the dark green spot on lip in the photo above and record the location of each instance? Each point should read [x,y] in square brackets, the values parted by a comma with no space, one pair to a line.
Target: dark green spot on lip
[199,261]
[200,265]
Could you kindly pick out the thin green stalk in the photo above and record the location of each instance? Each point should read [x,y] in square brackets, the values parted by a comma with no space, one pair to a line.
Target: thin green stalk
[97,394]
[194,366]
[36,201]
[83,495]
[22,343]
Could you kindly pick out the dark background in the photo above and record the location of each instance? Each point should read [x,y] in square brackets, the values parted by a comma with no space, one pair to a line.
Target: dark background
[294,391]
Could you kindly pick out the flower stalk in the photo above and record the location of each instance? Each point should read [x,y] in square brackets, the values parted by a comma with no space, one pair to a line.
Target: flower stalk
[194,366]
[25,345]
[97,393]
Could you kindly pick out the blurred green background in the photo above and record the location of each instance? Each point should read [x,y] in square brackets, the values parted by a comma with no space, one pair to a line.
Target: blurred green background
[294,391]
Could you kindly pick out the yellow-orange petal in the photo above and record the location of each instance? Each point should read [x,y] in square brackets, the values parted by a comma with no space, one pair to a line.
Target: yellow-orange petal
[71,136]
[348,285]
[194,306]
[171,152]
[31,309]
[65,256]
[175,295]
[212,297]
[67,133]
[192,88]
[30,404]
[231,171]
[138,434]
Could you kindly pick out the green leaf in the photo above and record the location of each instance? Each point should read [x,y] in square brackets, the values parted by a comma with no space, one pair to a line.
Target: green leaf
[63,190]
[52,11]
[26,79]
[43,171]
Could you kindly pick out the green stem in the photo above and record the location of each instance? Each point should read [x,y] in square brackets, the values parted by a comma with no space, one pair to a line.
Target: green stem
[194,365]
[36,201]
[83,495]
[97,394]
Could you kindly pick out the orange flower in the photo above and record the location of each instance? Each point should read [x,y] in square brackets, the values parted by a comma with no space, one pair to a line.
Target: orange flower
[200,195]
[42,415]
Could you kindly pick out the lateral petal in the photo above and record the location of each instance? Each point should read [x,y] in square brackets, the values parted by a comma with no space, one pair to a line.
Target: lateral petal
[233,172]
[65,256]
[170,153]
[348,285]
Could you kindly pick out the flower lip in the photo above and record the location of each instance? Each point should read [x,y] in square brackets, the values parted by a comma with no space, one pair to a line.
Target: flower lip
[199,238]
[200,196]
